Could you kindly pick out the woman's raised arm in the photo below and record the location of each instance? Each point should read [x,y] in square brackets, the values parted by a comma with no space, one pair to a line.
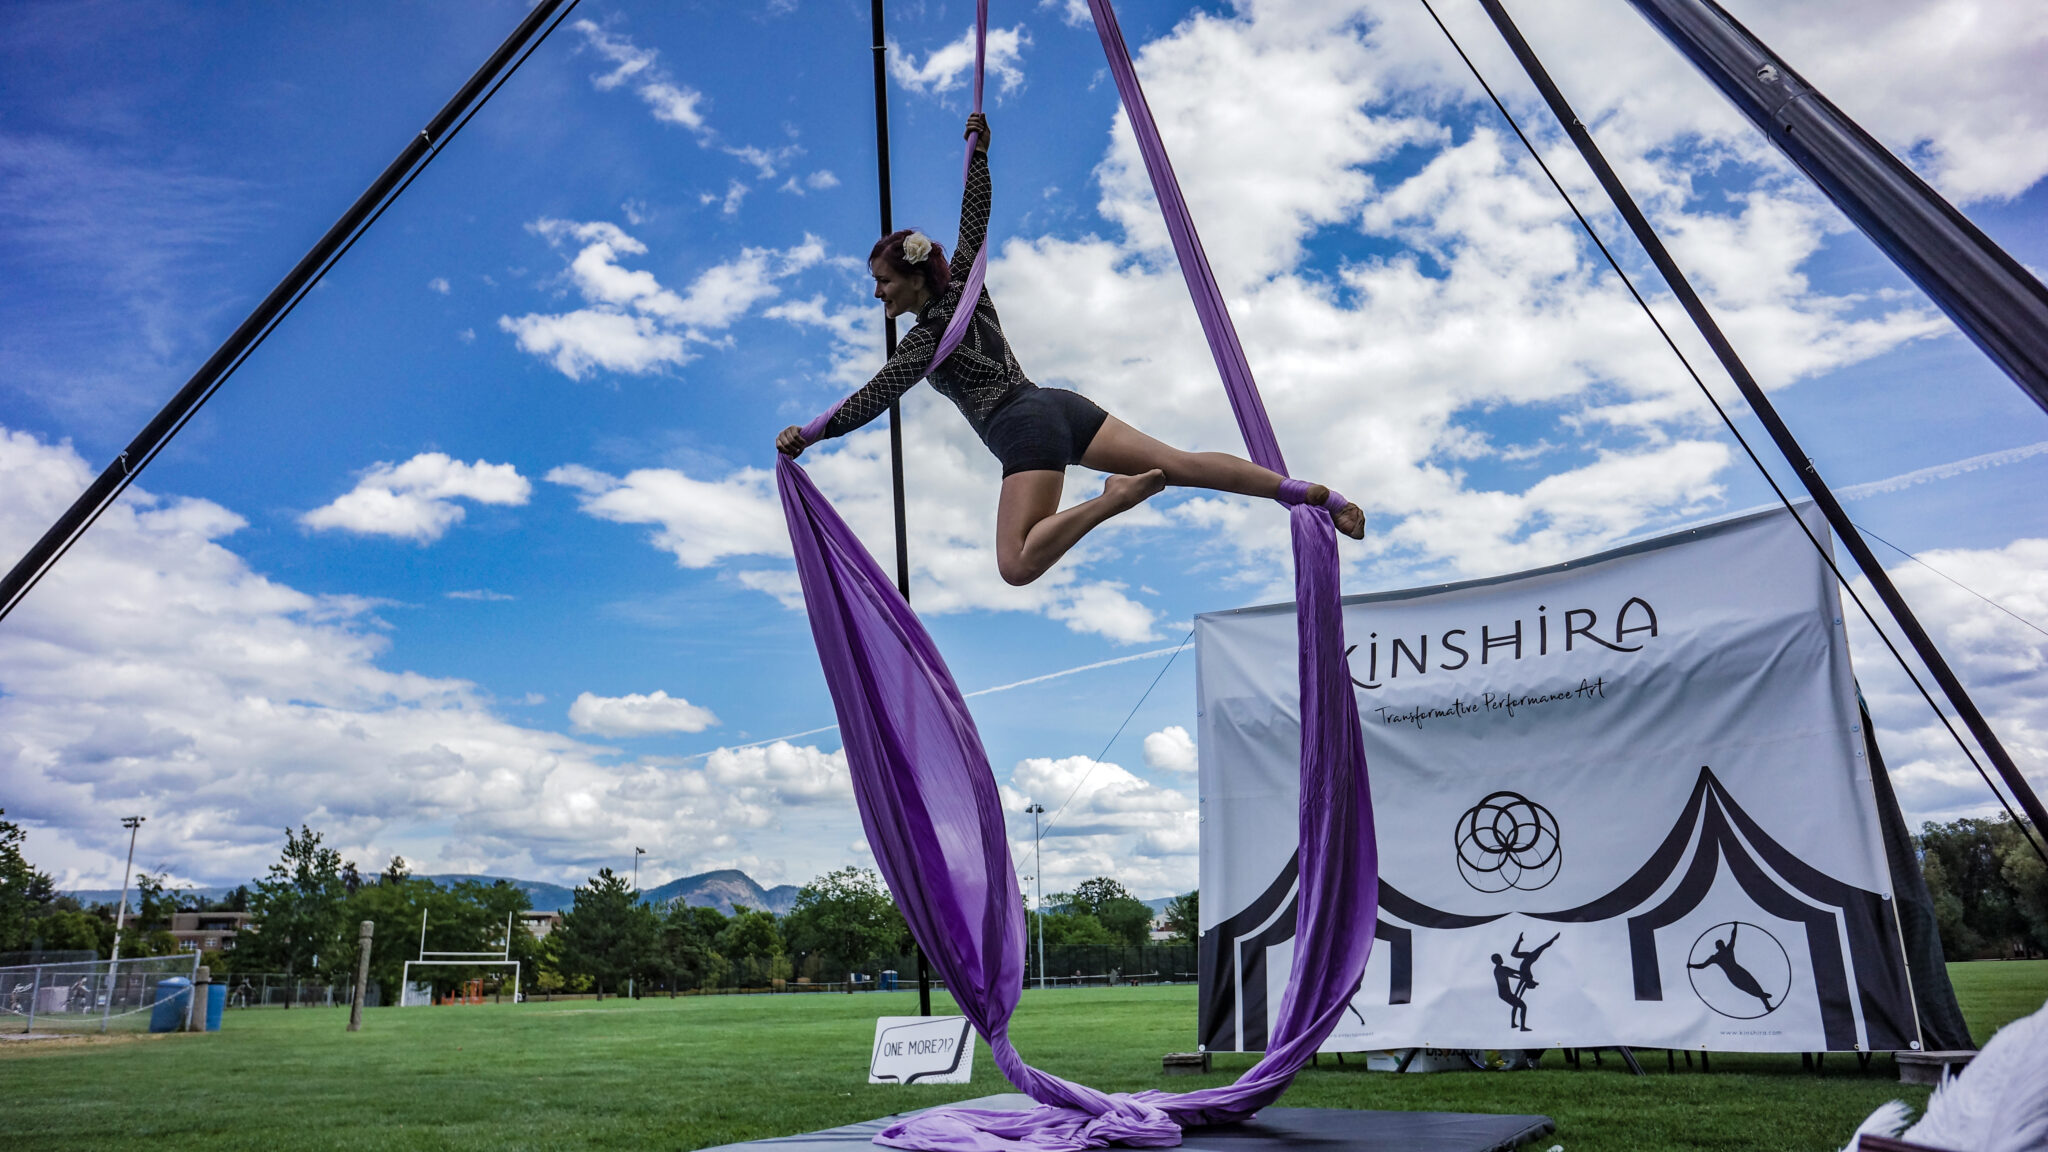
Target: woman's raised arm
[975,201]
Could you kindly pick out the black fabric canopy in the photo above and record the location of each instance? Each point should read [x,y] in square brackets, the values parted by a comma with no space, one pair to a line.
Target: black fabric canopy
[1994,300]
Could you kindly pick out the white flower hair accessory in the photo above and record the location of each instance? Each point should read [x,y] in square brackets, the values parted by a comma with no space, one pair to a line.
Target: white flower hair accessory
[917,248]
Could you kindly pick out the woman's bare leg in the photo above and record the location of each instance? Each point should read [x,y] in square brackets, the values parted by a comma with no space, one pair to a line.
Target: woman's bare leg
[1122,449]
[1032,534]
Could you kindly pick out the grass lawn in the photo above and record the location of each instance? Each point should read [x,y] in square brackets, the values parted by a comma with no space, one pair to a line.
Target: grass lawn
[688,1073]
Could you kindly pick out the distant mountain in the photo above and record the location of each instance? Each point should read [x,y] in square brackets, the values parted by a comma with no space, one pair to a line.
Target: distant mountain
[721,890]
[546,897]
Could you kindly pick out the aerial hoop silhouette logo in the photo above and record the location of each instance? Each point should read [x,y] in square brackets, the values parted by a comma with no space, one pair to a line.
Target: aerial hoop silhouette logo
[1755,970]
[1508,841]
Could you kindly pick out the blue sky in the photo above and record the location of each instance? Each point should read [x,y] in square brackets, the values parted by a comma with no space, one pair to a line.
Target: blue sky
[418,573]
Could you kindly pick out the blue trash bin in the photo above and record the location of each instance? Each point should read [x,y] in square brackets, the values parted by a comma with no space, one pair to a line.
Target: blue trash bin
[216,1001]
[173,1000]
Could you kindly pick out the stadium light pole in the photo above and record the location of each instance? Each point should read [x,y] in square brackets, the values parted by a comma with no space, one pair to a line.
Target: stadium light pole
[637,854]
[1038,878]
[131,823]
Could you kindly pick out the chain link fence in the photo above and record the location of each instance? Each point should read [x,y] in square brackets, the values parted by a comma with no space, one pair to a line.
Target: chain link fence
[279,990]
[91,995]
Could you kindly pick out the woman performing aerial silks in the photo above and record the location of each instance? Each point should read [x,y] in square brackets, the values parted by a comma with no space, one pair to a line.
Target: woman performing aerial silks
[1035,432]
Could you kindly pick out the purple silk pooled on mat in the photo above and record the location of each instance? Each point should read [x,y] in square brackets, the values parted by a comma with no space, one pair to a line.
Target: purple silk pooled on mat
[928,798]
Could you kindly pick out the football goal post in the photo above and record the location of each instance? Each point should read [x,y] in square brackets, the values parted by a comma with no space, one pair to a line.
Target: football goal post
[411,996]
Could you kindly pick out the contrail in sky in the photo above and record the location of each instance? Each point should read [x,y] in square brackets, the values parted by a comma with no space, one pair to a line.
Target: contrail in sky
[1940,472]
[1152,655]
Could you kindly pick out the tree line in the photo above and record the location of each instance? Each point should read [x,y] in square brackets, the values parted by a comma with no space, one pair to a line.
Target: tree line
[306,908]
[1990,889]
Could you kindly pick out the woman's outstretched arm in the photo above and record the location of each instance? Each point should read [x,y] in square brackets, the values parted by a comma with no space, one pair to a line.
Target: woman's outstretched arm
[913,358]
[976,198]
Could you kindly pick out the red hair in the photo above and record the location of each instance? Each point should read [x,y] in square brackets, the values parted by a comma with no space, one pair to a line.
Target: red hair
[937,275]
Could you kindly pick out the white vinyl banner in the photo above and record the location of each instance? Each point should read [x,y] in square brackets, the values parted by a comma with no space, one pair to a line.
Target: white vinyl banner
[1620,801]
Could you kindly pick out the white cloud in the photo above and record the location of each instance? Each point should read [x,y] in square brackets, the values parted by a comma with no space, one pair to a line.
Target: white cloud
[952,66]
[483,594]
[1171,749]
[439,284]
[155,672]
[757,780]
[1115,824]
[416,500]
[701,522]
[2003,661]
[632,323]
[636,715]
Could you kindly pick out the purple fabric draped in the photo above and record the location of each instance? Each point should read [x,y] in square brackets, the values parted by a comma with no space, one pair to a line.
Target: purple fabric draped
[970,294]
[929,804]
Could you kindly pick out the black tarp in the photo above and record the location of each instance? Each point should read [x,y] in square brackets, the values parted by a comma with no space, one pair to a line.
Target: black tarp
[1994,300]
[1941,1020]
[1273,1130]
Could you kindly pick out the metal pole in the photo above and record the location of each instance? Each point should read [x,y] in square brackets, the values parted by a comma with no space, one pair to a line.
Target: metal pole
[355,1009]
[1951,686]
[881,61]
[1038,878]
[637,854]
[108,487]
[131,823]
[35,993]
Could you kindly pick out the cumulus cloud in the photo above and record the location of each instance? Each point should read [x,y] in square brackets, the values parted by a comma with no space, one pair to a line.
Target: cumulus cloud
[700,522]
[636,715]
[951,66]
[1170,749]
[439,284]
[630,321]
[2002,659]
[953,489]
[1460,296]
[1116,824]
[416,500]
[154,671]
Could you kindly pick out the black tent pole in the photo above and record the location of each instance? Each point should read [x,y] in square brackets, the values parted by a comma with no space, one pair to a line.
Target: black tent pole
[107,488]
[924,979]
[1958,696]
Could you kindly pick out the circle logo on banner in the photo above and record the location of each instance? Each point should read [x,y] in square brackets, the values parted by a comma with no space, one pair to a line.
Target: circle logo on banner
[1508,841]
[1739,970]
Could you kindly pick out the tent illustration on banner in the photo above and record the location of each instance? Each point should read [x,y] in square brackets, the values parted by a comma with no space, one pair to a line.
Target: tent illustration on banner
[1639,807]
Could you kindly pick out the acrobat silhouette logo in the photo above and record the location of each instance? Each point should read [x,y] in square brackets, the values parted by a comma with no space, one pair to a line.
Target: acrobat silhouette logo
[1513,981]
[1508,841]
[1739,970]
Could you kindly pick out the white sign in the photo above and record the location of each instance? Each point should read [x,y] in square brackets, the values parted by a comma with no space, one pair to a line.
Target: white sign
[1623,800]
[922,1050]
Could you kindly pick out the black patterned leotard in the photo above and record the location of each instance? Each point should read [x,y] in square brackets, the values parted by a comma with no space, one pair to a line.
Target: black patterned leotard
[982,373]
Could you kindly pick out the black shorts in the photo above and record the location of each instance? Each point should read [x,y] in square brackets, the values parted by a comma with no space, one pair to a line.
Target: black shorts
[1043,429]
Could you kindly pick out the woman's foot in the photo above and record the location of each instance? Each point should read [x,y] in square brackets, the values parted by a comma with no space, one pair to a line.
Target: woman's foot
[1127,492]
[1350,519]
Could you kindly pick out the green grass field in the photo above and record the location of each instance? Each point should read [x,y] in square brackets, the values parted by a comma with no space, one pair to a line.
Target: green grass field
[693,1072]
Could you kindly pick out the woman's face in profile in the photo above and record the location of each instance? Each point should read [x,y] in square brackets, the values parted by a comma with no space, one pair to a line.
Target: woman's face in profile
[899,292]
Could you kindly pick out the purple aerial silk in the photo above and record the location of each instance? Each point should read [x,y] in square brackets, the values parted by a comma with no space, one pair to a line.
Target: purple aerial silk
[934,819]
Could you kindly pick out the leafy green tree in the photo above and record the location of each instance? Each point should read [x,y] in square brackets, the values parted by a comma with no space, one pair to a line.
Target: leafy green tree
[846,918]
[299,912]
[1984,903]
[752,943]
[1184,917]
[469,916]
[1127,918]
[609,935]
[25,893]
[1067,927]
[66,929]
[689,957]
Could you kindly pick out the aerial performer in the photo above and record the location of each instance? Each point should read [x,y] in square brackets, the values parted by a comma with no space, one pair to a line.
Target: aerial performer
[1034,432]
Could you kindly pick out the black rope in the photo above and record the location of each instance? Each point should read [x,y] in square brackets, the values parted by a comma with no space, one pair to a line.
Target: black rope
[1825,554]
[71,527]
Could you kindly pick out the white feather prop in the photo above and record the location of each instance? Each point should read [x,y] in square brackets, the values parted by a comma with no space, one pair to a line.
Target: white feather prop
[1889,1119]
[2000,1101]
